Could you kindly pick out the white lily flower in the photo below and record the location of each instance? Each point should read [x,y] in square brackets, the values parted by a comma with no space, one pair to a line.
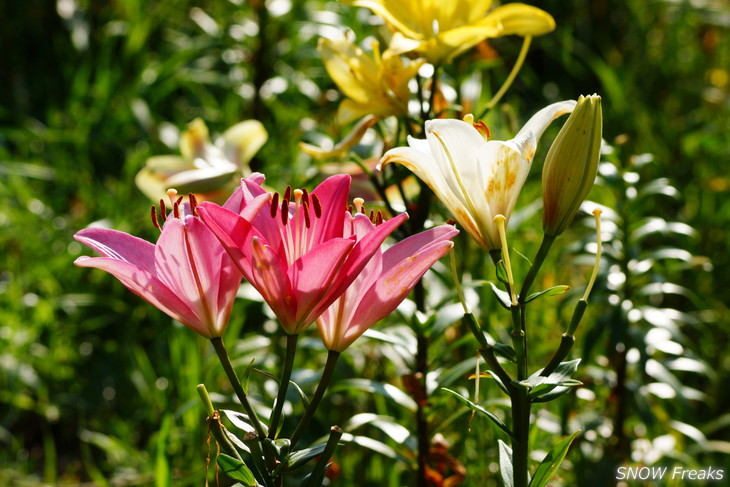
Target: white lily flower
[475,178]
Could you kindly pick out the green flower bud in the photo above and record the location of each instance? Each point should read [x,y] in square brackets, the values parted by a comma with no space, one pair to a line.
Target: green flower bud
[571,165]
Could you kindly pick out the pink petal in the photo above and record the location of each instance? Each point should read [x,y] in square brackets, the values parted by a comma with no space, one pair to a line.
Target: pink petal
[332,194]
[416,243]
[148,287]
[271,280]
[392,288]
[119,245]
[312,276]
[249,189]
[363,251]
[175,266]
[232,231]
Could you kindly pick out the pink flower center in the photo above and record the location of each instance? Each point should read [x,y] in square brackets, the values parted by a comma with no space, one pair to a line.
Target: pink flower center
[299,220]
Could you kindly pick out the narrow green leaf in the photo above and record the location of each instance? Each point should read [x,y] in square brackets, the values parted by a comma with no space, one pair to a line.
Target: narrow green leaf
[539,385]
[552,461]
[553,291]
[505,351]
[505,464]
[245,376]
[501,271]
[236,470]
[479,409]
[300,457]
[503,297]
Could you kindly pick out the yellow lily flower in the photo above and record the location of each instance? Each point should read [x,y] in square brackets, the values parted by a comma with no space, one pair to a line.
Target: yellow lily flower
[474,178]
[440,30]
[376,85]
[206,169]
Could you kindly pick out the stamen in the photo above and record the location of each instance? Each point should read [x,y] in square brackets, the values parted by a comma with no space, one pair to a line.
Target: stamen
[483,129]
[499,220]
[358,204]
[193,203]
[317,206]
[274,204]
[179,200]
[372,216]
[597,213]
[451,221]
[378,218]
[176,209]
[305,196]
[163,210]
[155,222]
[172,195]
[287,193]
[305,207]
[285,211]
[349,209]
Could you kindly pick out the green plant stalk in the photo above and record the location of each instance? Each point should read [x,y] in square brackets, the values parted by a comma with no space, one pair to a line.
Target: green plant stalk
[520,440]
[488,354]
[542,253]
[257,458]
[291,347]
[319,468]
[567,340]
[220,350]
[324,381]
[215,426]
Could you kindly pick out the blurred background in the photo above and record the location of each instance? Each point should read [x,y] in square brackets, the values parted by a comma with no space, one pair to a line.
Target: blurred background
[98,388]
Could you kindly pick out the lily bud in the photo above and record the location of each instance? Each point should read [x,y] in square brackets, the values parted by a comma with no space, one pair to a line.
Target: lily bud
[571,165]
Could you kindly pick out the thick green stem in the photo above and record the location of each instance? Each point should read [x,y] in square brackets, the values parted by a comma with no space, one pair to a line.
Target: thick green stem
[220,350]
[215,425]
[317,475]
[324,382]
[291,347]
[521,431]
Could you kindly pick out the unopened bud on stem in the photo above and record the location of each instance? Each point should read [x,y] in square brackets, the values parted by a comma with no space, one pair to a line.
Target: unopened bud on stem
[571,165]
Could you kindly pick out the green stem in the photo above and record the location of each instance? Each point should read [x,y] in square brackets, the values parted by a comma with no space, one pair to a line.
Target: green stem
[317,475]
[512,75]
[220,350]
[291,347]
[491,358]
[324,382]
[567,341]
[215,425]
[542,252]
[520,441]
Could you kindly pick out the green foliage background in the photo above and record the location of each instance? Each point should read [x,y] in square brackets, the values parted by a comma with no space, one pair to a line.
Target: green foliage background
[97,386]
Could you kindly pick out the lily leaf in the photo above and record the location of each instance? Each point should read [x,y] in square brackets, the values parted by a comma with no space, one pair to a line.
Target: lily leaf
[539,385]
[505,464]
[236,470]
[502,273]
[505,351]
[503,297]
[553,291]
[475,407]
[552,461]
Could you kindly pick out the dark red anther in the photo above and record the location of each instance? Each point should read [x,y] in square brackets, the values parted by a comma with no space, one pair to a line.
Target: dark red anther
[274,204]
[305,196]
[287,193]
[362,210]
[349,209]
[176,208]
[451,221]
[378,218]
[155,222]
[163,210]
[372,216]
[305,207]
[285,211]
[179,200]
[193,203]
[317,206]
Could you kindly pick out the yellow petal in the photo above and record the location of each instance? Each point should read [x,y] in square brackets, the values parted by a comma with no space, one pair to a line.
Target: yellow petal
[243,140]
[349,67]
[194,139]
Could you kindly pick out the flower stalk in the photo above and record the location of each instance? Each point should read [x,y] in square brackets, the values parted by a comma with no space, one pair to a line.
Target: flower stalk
[291,347]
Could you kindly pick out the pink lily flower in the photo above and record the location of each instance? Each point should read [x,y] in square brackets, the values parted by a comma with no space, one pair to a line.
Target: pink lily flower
[297,255]
[187,274]
[384,282]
